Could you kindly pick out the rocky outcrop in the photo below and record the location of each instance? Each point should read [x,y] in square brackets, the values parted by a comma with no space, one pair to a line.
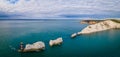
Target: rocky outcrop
[101,26]
[57,41]
[74,35]
[37,46]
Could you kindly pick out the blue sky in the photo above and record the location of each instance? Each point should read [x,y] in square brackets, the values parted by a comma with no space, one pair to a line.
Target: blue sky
[59,9]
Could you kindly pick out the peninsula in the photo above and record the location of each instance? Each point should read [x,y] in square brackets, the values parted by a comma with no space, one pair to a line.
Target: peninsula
[99,26]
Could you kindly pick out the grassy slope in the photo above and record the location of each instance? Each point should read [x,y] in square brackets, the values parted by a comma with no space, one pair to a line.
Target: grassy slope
[118,21]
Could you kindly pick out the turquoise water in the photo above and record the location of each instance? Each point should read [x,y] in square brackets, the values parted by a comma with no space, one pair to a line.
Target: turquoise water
[101,44]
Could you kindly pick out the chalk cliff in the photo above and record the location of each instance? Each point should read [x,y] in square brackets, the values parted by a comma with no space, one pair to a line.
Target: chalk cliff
[100,26]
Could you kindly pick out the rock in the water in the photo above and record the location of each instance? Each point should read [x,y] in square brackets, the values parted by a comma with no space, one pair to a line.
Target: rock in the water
[55,42]
[37,46]
[74,35]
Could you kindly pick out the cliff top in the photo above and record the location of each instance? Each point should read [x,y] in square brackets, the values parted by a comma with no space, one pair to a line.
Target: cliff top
[117,21]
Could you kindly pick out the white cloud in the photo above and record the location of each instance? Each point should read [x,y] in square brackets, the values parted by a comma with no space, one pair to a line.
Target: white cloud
[56,8]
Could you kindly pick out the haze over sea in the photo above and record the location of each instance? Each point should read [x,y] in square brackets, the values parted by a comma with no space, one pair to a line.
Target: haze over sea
[12,32]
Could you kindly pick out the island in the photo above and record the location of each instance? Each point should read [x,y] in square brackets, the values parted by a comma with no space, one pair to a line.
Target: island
[99,26]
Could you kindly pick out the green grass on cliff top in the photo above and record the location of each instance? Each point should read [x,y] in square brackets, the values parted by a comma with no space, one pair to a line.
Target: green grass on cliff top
[118,21]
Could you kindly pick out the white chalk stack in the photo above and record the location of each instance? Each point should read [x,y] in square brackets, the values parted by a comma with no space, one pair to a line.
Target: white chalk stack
[57,41]
[37,46]
[74,35]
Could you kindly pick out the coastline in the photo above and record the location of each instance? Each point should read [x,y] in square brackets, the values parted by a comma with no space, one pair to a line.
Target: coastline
[96,26]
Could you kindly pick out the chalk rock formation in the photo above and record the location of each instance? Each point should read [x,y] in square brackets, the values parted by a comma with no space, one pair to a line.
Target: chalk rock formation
[74,35]
[37,46]
[56,41]
[101,26]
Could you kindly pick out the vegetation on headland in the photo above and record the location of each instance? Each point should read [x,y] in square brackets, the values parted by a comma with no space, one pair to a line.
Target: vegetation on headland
[115,20]
[90,21]
[97,21]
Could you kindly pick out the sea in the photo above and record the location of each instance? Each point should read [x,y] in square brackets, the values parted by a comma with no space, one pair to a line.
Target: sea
[99,44]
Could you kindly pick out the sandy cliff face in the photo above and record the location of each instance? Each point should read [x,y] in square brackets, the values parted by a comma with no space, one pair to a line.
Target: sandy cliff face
[105,25]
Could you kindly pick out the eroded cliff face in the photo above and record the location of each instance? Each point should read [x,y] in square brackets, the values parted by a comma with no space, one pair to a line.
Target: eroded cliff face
[101,26]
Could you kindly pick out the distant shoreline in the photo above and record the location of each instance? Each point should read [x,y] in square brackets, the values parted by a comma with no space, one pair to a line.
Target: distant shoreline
[38,19]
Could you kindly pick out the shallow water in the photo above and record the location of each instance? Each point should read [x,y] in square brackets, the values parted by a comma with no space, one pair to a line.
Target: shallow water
[102,44]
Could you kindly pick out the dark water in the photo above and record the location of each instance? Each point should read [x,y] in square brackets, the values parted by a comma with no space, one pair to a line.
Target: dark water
[101,44]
